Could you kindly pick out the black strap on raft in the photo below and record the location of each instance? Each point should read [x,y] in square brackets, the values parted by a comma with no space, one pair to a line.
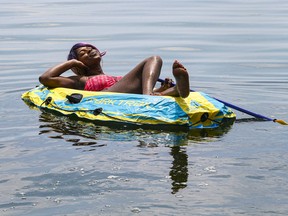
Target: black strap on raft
[97,111]
[74,98]
[47,101]
[204,117]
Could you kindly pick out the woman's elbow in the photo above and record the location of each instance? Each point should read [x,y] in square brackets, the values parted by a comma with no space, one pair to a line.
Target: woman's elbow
[44,80]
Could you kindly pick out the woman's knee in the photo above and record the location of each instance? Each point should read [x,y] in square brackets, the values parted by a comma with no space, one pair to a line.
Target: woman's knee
[156,59]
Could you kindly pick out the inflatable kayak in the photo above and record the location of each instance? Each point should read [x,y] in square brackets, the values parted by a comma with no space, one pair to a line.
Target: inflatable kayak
[198,110]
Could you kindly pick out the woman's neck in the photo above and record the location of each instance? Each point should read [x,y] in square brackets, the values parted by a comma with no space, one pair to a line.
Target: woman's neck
[96,70]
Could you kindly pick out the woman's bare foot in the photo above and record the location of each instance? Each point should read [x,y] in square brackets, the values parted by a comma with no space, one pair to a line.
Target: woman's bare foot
[168,83]
[182,79]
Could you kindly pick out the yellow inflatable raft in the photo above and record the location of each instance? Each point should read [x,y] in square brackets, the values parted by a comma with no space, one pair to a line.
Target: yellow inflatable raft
[198,110]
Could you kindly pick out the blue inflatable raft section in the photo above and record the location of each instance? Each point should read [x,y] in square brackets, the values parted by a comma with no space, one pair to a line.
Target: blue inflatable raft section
[198,110]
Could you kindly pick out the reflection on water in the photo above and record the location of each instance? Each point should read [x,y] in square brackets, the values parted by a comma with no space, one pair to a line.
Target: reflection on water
[63,126]
[81,133]
[179,169]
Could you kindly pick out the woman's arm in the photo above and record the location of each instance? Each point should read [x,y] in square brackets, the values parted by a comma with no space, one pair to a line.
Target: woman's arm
[52,77]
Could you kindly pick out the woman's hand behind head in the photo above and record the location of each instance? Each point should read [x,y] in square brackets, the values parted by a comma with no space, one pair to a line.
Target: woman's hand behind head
[79,68]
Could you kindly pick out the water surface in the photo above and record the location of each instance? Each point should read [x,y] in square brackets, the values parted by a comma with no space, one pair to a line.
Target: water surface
[234,50]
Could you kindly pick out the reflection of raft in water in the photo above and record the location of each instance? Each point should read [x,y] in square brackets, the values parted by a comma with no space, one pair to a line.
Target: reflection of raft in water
[198,110]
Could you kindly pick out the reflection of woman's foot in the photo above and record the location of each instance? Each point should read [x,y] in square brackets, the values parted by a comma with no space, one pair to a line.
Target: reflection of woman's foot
[182,79]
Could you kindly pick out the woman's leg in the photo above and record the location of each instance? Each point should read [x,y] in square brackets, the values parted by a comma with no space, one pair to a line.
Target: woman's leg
[182,87]
[141,79]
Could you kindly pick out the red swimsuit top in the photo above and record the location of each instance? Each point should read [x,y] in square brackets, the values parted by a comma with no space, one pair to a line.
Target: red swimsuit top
[100,82]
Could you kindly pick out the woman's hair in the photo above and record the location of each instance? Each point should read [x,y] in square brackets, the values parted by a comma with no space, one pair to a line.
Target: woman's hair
[73,54]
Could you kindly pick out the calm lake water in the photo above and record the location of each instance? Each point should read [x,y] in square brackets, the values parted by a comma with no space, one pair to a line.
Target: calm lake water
[234,50]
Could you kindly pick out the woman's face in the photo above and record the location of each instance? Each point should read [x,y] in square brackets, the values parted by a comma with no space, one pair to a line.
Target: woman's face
[88,55]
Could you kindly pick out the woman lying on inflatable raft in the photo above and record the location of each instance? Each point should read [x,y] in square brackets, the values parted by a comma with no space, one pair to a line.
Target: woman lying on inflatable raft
[91,94]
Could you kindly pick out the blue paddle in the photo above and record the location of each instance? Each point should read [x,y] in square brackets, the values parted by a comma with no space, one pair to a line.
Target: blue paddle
[280,121]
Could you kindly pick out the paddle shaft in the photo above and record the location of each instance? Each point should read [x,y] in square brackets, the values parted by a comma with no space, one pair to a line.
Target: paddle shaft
[235,107]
